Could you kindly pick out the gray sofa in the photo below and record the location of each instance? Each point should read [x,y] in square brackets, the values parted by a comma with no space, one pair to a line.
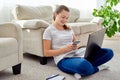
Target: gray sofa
[35,19]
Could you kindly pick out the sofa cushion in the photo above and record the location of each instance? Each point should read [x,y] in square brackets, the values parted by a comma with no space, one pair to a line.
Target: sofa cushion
[75,27]
[33,23]
[74,15]
[8,46]
[97,20]
[22,12]
[87,27]
[83,27]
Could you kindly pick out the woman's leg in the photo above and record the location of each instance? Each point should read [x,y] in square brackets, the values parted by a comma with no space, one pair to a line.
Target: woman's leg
[103,56]
[77,65]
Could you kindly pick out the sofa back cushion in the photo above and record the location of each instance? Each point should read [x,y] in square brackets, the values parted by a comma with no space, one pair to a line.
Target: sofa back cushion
[74,15]
[22,12]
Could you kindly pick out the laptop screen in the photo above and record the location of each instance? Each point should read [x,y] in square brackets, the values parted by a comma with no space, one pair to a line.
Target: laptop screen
[95,38]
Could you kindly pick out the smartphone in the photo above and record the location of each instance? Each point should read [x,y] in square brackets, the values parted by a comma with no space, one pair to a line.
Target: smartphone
[76,42]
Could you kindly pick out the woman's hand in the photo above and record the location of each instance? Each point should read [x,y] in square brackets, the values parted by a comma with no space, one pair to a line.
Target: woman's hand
[70,47]
[74,46]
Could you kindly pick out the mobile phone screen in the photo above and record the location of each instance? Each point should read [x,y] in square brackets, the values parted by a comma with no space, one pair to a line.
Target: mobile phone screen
[76,42]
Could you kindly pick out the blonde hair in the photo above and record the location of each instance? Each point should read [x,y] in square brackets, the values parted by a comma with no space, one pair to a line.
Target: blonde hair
[58,10]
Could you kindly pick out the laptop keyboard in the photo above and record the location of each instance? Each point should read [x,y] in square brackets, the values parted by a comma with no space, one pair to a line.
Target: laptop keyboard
[80,52]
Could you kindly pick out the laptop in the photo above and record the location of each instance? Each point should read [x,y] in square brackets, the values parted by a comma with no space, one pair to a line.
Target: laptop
[94,43]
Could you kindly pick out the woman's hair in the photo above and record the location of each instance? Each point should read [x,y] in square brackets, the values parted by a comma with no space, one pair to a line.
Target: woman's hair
[58,10]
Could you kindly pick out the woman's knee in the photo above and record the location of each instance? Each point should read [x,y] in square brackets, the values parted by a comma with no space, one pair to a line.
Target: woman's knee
[86,68]
[108,52]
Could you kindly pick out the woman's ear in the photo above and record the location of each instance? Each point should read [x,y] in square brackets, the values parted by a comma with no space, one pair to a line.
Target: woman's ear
[55,15]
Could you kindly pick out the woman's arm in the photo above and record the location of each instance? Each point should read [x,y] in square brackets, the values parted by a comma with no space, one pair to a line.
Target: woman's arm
[48,52]
[74,39]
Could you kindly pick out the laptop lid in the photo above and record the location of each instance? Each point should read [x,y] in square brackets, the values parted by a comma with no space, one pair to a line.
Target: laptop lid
[95,38]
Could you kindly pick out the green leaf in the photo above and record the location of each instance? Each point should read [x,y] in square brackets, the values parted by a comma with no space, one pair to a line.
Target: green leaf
[112,31]
[119,22]
[119,29]
[111,4]
[108,33]
[114,27]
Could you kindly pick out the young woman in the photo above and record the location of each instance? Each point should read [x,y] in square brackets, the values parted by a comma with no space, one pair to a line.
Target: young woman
[58,39]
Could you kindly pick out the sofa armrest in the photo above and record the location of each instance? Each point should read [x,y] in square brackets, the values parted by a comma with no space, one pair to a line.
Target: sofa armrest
[10,30]
[32,24]
[97,20]
[83,20]
[13,30]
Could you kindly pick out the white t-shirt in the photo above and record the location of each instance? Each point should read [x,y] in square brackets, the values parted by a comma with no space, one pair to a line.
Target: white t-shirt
[59,39]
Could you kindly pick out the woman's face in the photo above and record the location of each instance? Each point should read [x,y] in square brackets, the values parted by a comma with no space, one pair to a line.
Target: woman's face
[62,17]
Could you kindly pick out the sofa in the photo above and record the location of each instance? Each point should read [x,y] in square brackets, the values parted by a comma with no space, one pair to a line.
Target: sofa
[35,19]
[11,47]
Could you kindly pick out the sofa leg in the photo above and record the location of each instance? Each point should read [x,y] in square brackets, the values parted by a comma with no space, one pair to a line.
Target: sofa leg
[16,69]
[43,60]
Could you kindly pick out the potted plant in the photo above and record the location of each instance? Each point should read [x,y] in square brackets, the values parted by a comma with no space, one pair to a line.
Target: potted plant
[111,17]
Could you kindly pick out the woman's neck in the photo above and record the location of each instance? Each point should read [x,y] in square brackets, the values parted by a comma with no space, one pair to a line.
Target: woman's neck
[59,27]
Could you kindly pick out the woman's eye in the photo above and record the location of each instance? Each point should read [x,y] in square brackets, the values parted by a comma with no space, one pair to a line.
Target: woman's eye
[65,17]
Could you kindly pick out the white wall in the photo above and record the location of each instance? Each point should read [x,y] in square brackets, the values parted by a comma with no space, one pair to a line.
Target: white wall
[3,12]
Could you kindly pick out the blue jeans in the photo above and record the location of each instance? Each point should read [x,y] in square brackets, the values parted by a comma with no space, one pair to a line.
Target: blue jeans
[83,66]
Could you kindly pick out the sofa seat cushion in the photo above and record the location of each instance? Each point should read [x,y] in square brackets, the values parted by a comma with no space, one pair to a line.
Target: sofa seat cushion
[83,27]
[8,46]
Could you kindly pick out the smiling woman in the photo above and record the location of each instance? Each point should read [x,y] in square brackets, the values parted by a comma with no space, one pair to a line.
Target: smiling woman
[62,49]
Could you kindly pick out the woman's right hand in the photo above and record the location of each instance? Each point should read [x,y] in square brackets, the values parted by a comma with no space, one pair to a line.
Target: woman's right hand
[70,47]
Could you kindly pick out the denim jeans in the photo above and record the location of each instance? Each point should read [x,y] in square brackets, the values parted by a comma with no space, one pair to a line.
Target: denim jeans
[83,66]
